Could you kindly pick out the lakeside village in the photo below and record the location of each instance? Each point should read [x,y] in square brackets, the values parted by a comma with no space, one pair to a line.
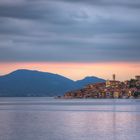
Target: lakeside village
[110,89]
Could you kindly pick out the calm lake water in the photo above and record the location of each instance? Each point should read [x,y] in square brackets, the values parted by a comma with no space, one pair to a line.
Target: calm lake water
[57,119]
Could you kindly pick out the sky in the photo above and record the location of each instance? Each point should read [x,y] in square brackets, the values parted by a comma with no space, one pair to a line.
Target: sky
[74,38]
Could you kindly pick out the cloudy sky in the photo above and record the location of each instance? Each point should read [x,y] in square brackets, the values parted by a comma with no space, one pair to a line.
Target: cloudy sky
[59,35]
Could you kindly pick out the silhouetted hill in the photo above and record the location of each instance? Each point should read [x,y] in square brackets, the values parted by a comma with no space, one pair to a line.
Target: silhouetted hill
[35,83]
[89,80]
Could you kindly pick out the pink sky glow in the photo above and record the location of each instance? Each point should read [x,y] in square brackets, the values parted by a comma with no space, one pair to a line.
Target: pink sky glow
[78,71]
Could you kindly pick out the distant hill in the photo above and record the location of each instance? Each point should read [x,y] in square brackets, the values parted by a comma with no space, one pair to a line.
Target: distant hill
[35,83]
[89,80]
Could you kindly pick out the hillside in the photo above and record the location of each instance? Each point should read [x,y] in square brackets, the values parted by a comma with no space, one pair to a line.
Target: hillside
[35,83]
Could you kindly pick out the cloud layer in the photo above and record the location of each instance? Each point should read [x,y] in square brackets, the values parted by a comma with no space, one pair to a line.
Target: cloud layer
[69,30]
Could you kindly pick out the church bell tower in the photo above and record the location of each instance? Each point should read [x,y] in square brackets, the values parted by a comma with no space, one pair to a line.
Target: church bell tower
[114,77]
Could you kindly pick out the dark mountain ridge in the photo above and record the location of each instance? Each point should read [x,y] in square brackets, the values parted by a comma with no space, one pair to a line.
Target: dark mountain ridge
[35,83]
[89,80]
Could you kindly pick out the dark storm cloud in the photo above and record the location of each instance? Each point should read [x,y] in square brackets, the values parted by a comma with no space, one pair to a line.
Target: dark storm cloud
[124,3]
[69,30]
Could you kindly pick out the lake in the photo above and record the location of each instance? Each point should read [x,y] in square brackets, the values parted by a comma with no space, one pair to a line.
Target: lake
[75,119]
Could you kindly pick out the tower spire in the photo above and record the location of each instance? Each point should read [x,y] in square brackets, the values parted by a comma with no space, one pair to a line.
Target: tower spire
[114,77]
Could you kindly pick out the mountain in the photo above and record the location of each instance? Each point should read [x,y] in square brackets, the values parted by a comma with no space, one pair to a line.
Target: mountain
[89,80]
[35,83]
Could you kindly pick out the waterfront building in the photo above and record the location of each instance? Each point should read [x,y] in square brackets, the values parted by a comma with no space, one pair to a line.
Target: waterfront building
[108,89]
[112,83]
[137,77]
[116,94]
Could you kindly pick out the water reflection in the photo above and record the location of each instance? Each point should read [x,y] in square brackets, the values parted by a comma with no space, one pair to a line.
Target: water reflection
[68,121]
